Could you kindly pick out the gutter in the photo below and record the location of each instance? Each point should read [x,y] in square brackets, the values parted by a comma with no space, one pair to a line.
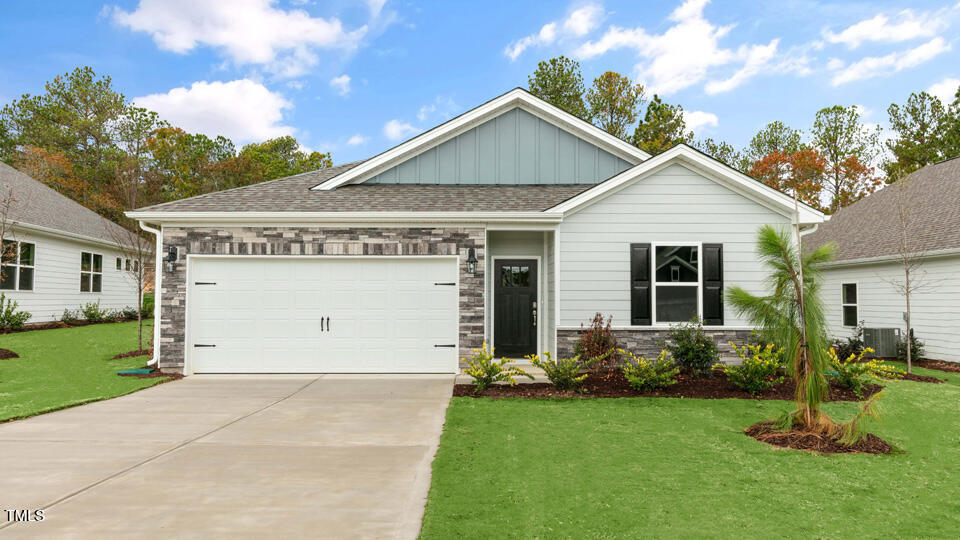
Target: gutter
[346,217]
[67,234]
[893,258]
[157,269]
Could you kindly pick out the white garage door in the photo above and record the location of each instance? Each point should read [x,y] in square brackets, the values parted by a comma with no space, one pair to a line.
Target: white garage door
[322,315]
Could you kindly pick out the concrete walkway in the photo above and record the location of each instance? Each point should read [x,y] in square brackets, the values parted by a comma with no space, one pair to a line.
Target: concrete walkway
[248,456]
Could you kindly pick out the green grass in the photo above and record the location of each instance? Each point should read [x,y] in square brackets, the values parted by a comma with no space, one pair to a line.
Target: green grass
[666,468]
[67,367]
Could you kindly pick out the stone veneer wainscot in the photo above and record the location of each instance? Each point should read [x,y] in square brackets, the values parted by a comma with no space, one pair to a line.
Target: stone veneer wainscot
[648,342]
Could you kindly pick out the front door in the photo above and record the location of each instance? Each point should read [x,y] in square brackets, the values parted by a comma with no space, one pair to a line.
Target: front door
[515,307]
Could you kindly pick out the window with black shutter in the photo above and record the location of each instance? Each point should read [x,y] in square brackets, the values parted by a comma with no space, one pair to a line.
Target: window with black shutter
[640,313]
[713,284]
[673,283]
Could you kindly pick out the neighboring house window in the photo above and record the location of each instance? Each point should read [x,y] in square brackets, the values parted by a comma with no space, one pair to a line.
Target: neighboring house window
[676,283]
[16,273]
[128,265]
[849,301]
[91,272]
[119,263]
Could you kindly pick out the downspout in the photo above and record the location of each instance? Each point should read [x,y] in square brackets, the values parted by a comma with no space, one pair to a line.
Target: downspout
[157,269]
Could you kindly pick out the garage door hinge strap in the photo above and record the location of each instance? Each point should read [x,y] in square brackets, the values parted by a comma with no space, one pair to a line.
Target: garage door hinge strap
[451,346]
[204,282]
[203,345]
[446,283]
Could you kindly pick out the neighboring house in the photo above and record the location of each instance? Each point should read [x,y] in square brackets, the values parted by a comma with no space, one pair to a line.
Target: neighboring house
[513,223]
[61,254]
[864,281]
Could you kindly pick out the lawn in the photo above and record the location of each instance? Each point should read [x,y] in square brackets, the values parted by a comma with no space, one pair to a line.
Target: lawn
[662,467]
[67,367]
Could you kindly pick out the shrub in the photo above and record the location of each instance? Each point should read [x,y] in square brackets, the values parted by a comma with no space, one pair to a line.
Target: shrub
[916,348]
[598,344]
[854,373]
[70,317]
[645,375]
[693,351]
[762,368]
[147,310]
[852,345]
[564,373]
[92,312]
[10,317]
[128,313]
[486,370]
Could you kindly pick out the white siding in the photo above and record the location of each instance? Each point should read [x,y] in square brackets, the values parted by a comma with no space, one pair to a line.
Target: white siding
[502,244]
[935,307]
[672,205]
[57,278]
[549,311]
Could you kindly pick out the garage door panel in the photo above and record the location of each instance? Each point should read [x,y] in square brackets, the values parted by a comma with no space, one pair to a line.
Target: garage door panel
[264,314]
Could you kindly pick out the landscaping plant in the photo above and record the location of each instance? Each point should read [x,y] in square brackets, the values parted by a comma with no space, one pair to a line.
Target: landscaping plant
[486,370]
[693,351]
[916,348]
[762,368]
[851,345]
[854,373]
[645,375]
[598,342]
[564,373]
[10,317]
[93,313]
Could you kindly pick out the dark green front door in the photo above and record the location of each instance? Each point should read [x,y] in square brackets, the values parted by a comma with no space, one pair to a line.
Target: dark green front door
[515,307]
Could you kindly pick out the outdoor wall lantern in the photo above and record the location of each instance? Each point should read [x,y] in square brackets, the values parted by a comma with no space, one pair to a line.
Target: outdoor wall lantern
[171,258]
[472,261]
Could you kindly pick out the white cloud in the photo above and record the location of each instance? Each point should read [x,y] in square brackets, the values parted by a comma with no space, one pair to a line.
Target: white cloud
[341,84]
[875,66]
[577,24]
[945,90]
[698,119]
[756,59]
[835,64]
[443,108]
[248,32]
[396,130]
[904,26]
[375,7]
[242,110]
[357,140]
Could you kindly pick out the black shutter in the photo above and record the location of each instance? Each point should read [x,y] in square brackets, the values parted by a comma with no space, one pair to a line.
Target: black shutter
[640,285]
[712,261]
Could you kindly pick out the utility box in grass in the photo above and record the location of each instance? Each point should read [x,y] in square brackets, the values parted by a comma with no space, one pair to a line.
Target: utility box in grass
[882,340]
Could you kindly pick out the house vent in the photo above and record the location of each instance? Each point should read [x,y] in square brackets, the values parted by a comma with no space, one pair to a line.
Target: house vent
[882,340]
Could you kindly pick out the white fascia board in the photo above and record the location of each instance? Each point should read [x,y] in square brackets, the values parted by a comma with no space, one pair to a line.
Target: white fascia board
[444,132]
[347,217]
[880,259]
[57,233]
[710,168]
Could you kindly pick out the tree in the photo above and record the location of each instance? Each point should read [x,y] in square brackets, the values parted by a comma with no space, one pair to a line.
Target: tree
[849,148]
[187,162]
[558,81]
[613,102]
[282,156]
[775,137]
[662,127]
[921,125]
[8,242]
[798,173]
[725,152]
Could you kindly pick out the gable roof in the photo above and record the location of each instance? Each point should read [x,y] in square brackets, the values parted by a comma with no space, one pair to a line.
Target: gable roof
[516,98]
[41,207]
[707,166]
[870,228]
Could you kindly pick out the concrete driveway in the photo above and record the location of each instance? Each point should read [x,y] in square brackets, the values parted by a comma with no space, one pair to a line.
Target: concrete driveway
[321,456]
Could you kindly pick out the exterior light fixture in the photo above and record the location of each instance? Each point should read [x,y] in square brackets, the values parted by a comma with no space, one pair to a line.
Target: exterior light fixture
[472,261]
[171,258]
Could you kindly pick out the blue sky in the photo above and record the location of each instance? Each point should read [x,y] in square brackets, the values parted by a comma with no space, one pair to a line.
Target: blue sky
[355,78]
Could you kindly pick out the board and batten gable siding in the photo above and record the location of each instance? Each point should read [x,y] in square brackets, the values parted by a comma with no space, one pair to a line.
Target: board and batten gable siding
[516,147]
[675,204]
[935,307]
[56,282]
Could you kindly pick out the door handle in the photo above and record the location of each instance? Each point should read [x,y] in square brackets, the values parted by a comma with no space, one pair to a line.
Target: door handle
[328,324]
[534,313]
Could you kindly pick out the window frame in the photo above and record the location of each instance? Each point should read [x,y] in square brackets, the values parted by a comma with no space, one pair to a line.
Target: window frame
[91,272]
[17,265]
[844,304]
[654,283]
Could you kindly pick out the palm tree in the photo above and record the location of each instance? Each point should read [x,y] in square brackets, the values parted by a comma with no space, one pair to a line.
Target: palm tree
[792,317]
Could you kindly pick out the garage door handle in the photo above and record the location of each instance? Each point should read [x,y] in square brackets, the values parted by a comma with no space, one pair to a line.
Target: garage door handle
[203,345]
[204,282]
[321,324]
[450,283]
[328,324]
[450,346]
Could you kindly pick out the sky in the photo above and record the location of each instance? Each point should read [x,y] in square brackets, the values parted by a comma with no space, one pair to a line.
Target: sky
[356,78]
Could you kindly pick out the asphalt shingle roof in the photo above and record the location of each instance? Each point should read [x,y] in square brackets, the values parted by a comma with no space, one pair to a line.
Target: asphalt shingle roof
[293,194]
[36,204]
[871,226]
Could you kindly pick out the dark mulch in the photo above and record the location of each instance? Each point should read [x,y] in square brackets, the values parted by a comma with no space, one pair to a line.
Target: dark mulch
[805,440]
[154,374]
[7,353]
[940,365]
[60,324]
[616,385]
[921,378]
[131,354]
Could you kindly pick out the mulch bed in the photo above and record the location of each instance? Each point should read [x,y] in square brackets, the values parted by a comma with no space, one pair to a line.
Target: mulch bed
[30,327]
[801,440]
[7,353]
[921,378]
[154,374]
[131,354]
[940,365]
[616,385]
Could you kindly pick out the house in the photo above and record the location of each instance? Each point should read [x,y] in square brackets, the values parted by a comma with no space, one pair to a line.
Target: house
[513,223]
[864,282]
[59,255]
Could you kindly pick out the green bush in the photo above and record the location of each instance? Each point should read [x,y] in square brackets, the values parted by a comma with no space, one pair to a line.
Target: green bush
[693,351]
[486,370]
[128,313]
[10,317]
[598,343]
[916,348]
[853,373]
[762,368]
[851,345]
[564,373]
[70,317]
[93,313]
[147,309]
[645,375]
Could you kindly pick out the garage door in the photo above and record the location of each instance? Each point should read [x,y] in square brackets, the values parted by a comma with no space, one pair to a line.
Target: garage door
[322,315]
